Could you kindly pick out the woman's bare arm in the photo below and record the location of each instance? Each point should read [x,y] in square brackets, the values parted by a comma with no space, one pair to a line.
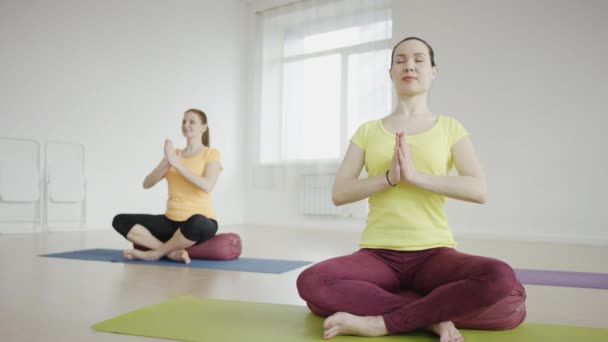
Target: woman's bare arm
[469,185]
[348,187]
[207,181]
[157,174]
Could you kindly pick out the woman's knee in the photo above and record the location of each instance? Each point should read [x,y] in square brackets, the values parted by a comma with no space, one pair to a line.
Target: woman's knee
[519,292]
[305,283]
[318,311]
[199,228]
[121,225]
[310,283]
[500,281]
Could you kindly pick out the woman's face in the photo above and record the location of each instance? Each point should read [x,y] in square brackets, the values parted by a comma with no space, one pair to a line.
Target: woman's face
[192,125]
[412,72]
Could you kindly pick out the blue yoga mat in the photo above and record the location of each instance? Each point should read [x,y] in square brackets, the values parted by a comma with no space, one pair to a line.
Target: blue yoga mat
[241,264]
[526,276]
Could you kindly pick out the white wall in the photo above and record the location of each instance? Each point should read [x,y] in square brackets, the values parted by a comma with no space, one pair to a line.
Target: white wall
[526,79]
[117,76]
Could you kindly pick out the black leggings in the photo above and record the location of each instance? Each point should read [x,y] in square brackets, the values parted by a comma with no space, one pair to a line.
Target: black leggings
[197,228]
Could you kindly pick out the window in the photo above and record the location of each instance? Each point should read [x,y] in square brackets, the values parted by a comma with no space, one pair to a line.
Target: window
[311,104]
[324,72]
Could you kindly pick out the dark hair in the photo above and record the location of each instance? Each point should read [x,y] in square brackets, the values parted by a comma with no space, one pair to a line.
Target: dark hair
[431,52]
[204,120]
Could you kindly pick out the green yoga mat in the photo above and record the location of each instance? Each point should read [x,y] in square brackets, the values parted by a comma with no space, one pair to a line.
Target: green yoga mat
[201,319]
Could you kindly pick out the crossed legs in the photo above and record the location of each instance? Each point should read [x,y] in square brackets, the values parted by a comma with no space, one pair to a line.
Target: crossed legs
[162,236]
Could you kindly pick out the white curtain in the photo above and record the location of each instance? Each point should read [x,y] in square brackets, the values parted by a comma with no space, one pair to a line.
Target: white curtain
[322,71]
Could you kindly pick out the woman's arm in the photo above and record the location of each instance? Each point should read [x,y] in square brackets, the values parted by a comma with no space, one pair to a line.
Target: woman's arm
[207,181]
[469,186]
[348,187]
[157,174]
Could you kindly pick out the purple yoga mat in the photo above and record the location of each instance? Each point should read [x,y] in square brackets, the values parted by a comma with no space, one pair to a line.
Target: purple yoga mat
[561,278]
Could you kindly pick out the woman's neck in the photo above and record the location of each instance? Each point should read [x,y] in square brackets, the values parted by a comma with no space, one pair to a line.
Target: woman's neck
[410,106]
[194,144]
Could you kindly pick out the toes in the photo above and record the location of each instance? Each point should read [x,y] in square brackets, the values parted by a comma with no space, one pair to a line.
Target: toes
[186,257]
[127,254]
[180,256]
[331,332]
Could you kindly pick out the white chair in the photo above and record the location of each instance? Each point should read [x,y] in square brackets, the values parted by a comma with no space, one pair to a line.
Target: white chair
[20,183]
[65,183]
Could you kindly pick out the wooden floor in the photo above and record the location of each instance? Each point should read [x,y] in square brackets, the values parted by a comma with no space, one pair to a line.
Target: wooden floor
[48,299]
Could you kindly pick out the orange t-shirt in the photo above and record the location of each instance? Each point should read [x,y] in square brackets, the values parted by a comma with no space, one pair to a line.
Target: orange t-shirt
[185,198]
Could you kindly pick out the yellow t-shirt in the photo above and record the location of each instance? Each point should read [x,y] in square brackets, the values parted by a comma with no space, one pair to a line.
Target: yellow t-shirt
[405,217]
[185,198]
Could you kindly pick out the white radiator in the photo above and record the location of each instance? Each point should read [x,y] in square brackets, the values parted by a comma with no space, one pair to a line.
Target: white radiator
[315,195]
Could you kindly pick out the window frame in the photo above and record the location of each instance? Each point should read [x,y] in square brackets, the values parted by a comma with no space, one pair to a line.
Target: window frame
[344,54]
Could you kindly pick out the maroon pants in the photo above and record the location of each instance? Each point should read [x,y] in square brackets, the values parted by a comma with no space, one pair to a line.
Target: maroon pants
[414,289]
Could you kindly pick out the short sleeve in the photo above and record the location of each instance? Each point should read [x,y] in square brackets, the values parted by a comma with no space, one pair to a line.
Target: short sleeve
[360,137]
[214,155]
[457,132]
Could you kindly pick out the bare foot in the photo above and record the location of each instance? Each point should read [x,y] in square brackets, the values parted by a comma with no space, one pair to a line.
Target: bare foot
[141,255]
[342,323]
[127,254]
[180,256]
[447,332]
